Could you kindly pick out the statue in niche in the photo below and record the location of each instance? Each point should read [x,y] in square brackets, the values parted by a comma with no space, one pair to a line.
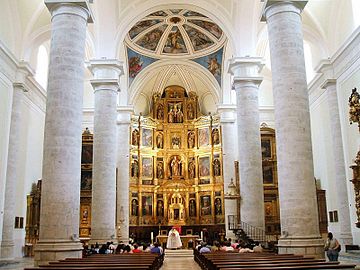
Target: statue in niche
[175,165]
[135,169]
[179,116]
[171,116]
[218,206]
[160,170]
[216,167]
[191,168]
[134,207]
[191,139]
[192,208]
[176,142]
[190,111]
[160,112]
[135,136]
[160,140]
[215,136]
[160,208]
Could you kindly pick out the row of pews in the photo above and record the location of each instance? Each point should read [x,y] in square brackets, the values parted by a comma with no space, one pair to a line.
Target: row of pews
[137,261]
[262,261]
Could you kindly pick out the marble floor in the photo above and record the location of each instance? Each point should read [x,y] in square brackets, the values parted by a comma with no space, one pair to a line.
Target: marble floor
[179,263]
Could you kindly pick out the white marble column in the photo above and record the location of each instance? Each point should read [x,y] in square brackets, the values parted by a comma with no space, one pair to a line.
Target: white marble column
[340,174]
[123,141]
[103,208]
[7,241]
[246,81]
[60,195]
[297,191]
[229,146]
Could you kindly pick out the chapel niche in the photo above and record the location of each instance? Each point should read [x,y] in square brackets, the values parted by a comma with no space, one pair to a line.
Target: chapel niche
[176,172]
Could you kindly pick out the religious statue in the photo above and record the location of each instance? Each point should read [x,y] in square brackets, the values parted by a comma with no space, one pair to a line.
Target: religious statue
[175,166]
[354,104]
[160,140]
[171,116]
[216,167]
[160,208]
[160,112]
[191,139]
[218,206]
[135,169]
[192,208]
[179,116]
[160,170]
[135,136]
[176,142]
[190,111]
[191,169]
[85,215]
[215,136]
[134,207]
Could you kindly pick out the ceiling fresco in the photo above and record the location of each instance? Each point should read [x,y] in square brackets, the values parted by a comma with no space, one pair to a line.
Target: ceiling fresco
[175,33]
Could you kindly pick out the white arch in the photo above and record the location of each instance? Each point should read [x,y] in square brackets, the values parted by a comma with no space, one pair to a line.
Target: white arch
[197,70]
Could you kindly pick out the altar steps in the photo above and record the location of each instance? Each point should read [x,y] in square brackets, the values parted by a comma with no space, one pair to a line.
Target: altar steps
[179,253]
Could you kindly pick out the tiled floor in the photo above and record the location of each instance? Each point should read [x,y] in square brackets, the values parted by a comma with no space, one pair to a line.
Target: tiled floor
[18,264]
[179,263]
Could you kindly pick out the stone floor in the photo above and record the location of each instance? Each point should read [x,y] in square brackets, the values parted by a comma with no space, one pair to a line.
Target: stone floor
[170,262]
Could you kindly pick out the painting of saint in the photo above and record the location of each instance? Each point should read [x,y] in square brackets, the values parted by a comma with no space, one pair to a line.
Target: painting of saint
[213,63]
[217,167]
[147,167]
[192,208]
[135,66]
[87,153]
[191,13]
[204,166]
[218,206]
[209,26]
[203,137]
[135,137]
[160,112]
[198,39]
[215,136]
[141,26]
[151,39]
[175,42]
[176,141]
[266,148]
[146,205]
[214,66]
[134,207]
[205,205]
[147,137]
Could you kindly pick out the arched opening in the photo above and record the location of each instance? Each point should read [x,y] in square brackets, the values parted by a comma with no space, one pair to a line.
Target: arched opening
[42,66]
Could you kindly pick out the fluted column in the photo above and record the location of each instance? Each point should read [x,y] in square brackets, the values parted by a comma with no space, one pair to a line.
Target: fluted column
[229,147]
[103,210]
[340,174]
[7,241]
[60,195]
[123,177]
[297,191]
[246,81]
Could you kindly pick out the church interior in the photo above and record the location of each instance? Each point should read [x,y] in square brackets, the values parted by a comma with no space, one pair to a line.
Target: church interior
[122,119]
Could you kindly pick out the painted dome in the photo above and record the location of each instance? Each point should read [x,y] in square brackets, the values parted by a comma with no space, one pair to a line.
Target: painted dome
[175,33]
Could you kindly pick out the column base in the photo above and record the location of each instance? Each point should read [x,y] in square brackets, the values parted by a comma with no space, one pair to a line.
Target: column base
[7,251]
[302,246]
[47,251]
[346,239]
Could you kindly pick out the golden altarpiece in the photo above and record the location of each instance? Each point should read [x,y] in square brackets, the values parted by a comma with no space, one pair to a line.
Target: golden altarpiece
[176,164]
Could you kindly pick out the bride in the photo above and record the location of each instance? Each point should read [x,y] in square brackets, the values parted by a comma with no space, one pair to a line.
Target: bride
[173,241]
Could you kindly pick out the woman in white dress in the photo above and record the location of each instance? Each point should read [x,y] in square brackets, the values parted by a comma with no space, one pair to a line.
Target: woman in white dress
[173,241]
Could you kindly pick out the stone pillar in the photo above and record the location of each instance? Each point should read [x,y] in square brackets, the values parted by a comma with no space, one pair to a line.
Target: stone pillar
[123,176]
[60,195]
[340,174]
[7,242]
[229,146]
[297,191]
[103,209]
[246,81]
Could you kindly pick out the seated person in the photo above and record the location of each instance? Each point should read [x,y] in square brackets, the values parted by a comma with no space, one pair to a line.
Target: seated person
[204,248]
[257,248]
[136,249]
[156,249]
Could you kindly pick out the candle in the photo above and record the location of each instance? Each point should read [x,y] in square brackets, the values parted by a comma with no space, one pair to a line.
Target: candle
[152,237]
[201,235]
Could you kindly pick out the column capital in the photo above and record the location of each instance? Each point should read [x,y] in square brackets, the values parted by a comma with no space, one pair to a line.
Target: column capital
[124,114]
[227,113]
[106,74]
[246,69]
[53,6]
[21,86]
[298,4]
